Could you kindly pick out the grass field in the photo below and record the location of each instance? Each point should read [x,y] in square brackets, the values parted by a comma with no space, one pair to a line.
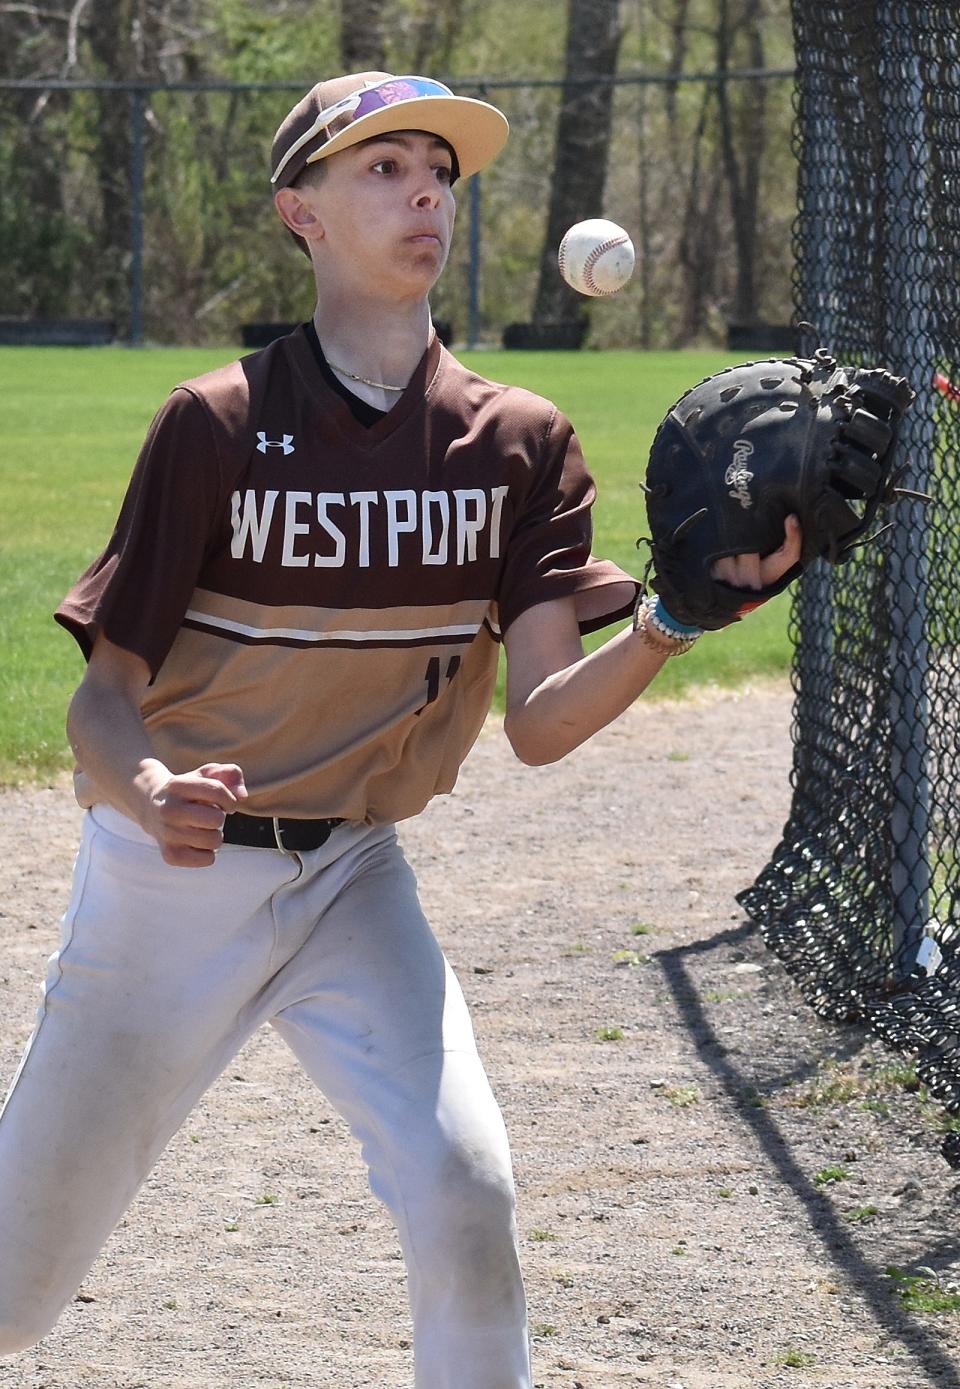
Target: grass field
[73,421]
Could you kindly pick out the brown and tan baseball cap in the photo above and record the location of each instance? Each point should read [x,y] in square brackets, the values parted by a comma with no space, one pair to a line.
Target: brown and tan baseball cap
[336,114]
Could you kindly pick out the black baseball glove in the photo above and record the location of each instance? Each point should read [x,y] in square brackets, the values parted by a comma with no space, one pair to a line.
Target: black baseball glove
[746,448]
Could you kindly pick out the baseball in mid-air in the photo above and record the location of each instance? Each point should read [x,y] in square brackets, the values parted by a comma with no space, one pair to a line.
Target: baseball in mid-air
[596,257]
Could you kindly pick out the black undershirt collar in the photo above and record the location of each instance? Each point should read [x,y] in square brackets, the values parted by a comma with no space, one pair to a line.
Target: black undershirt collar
[361,411]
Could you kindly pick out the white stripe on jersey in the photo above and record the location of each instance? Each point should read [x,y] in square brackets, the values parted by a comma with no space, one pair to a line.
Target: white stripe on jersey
[400,634]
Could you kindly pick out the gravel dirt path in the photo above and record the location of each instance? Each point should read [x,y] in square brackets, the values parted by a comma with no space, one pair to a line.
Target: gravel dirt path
[674,1231]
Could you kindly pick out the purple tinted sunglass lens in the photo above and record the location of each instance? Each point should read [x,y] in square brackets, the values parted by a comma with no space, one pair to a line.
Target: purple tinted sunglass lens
[389,93]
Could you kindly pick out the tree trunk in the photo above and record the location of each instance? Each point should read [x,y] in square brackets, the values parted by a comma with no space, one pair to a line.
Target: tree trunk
[583,140]
[362,47]
[678,50]
[123,42]
[437,31]
[742,151]
[698,246]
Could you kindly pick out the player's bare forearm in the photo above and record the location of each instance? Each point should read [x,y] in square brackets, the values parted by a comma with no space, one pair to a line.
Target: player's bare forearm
[111,746]
[557,697]
[184,813]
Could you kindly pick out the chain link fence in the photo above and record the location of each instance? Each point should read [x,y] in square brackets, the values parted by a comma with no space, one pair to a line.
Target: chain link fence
[861,900]
[150,206]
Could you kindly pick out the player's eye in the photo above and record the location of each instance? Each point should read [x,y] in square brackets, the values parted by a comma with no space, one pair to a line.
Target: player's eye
[444,173]
[385,166]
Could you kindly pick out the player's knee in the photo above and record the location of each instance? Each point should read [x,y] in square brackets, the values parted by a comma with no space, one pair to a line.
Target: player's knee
[465,1239]
[472,1199]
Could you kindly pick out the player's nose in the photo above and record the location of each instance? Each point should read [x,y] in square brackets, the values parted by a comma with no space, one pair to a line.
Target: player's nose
[427,196]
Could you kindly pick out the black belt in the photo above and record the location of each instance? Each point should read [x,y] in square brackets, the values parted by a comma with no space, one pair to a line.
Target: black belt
[272,832]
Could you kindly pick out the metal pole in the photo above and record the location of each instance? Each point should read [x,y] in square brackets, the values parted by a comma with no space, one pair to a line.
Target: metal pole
[908,348]
[473,330]
[817,302]
[138,109]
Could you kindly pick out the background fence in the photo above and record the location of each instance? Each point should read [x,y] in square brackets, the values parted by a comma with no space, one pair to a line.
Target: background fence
[862,898]
[150,206]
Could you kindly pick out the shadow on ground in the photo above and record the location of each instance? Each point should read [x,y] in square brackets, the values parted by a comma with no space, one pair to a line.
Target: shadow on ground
[741,1086]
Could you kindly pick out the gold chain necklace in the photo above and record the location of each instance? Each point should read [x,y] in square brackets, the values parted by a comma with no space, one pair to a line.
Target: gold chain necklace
[378,385]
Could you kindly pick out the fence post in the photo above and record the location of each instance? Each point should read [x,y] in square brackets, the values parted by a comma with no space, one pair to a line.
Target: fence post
[473,329]
[138,108]
[816,299]
[906,230]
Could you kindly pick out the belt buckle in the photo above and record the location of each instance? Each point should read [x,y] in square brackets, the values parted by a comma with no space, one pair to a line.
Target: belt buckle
[278,836]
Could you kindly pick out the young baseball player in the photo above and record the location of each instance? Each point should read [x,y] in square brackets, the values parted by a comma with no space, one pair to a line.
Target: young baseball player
[292,641]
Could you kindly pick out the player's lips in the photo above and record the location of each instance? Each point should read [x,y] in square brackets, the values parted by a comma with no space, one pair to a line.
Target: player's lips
[426,234]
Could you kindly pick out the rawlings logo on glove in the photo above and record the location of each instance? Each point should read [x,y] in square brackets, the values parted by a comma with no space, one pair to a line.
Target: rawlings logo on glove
[738,476]
[809,438]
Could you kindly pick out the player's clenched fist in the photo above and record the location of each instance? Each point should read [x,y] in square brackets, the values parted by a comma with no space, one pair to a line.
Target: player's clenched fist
[185,814]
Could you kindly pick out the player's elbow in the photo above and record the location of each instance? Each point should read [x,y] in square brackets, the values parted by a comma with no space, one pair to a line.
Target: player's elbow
[77,713]
[514,729]
[532,743]
[86,708]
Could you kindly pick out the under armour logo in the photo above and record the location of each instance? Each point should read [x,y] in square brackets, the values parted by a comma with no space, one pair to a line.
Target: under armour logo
[286,443]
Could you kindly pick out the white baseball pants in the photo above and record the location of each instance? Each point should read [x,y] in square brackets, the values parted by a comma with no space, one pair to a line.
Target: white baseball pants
[161,976]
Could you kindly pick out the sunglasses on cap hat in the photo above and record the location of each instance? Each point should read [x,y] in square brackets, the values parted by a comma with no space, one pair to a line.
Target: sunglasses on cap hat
[363,103]
[468,125]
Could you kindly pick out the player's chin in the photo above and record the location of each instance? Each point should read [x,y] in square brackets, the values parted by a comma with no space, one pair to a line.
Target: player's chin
[424,260]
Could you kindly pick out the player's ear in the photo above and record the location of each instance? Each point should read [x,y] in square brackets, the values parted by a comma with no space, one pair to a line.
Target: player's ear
[298,215]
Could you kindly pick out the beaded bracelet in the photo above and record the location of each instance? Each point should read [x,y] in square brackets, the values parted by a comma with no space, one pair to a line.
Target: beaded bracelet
[660,634]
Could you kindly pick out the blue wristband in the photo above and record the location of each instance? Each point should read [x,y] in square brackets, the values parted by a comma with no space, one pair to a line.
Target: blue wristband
[671,622]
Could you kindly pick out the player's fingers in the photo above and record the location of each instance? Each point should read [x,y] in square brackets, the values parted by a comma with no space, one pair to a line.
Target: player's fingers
[197,836]
[186,856]
[175,836]
[725,570]
[750,572]
[195,788]
[774,566]
[201,816]
[228,774]
[181,809]
[793,539]
[739,571]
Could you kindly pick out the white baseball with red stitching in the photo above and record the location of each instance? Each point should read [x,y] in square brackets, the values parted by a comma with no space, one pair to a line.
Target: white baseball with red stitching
[596,257]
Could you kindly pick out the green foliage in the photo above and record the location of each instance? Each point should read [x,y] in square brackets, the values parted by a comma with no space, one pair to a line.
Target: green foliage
[216,257]
[630,958]
[923,1291]
[681,1096]
[255,40]
[828,1176]
[840,1082]
[795,1359]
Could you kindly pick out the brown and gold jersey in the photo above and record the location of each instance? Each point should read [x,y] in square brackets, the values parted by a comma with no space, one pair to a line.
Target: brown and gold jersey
[321,602]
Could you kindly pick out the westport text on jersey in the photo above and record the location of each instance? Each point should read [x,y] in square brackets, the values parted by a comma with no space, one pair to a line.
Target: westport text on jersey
[368,528]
